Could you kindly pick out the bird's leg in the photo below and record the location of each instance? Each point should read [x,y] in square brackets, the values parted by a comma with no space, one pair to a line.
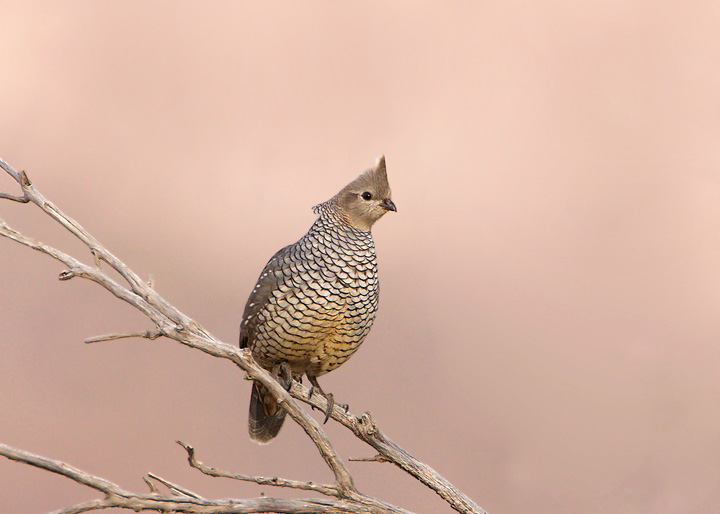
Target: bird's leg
[328,397]
[313,385]
[283,374]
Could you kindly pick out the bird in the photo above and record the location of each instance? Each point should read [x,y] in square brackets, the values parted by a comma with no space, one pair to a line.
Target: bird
[316,299]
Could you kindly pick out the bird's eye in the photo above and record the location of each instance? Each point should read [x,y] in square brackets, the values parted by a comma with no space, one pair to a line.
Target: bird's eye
[366,195]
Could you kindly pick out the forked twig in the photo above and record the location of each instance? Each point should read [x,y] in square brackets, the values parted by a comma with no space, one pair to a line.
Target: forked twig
[116,497]
[168,320]
[327,490]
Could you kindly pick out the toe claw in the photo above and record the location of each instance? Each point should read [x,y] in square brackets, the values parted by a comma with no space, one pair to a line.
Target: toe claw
[330,405]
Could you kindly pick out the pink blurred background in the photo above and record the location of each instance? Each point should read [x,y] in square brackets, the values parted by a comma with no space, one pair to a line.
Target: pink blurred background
[549,329]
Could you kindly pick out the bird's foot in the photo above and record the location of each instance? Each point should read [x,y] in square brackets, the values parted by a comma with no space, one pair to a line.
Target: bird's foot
[328,397]
[283,374]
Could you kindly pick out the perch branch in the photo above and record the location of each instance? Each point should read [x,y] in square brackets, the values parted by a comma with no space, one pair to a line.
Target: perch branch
[365,428]
[173,324]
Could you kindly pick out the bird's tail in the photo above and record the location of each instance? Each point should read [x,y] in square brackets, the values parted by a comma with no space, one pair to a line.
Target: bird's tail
[266,416]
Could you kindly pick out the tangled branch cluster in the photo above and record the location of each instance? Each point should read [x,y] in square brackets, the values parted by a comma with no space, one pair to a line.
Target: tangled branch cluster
[342,496]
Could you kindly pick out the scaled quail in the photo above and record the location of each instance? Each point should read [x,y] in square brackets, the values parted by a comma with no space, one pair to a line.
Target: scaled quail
[316,299]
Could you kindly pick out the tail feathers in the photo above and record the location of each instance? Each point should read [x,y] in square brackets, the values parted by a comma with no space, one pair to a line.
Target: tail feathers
[266,416]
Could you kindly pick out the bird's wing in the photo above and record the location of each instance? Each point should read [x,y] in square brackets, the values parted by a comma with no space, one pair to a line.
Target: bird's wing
[266,284]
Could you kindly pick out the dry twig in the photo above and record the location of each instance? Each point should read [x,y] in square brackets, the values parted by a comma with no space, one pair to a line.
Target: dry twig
[171,323]
[116,497]
[327,490]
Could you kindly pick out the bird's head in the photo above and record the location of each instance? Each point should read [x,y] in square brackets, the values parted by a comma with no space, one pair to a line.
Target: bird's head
[367,198]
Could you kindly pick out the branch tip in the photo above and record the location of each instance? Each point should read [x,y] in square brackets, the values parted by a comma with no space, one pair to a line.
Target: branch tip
[66,275]
[153,488]
[190,451]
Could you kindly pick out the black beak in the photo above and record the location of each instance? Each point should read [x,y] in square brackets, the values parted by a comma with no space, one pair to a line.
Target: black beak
[388,205]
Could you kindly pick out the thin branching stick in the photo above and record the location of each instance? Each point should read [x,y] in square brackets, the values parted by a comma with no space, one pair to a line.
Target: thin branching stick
[168,320]
[116,497]
[171,323]
[327,490]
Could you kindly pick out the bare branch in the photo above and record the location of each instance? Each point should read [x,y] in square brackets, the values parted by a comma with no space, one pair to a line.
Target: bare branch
[60,468]
[19,177]
[169,320]
[365,429]
[78,269]
[147,334]
[327,490]
[98,251]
